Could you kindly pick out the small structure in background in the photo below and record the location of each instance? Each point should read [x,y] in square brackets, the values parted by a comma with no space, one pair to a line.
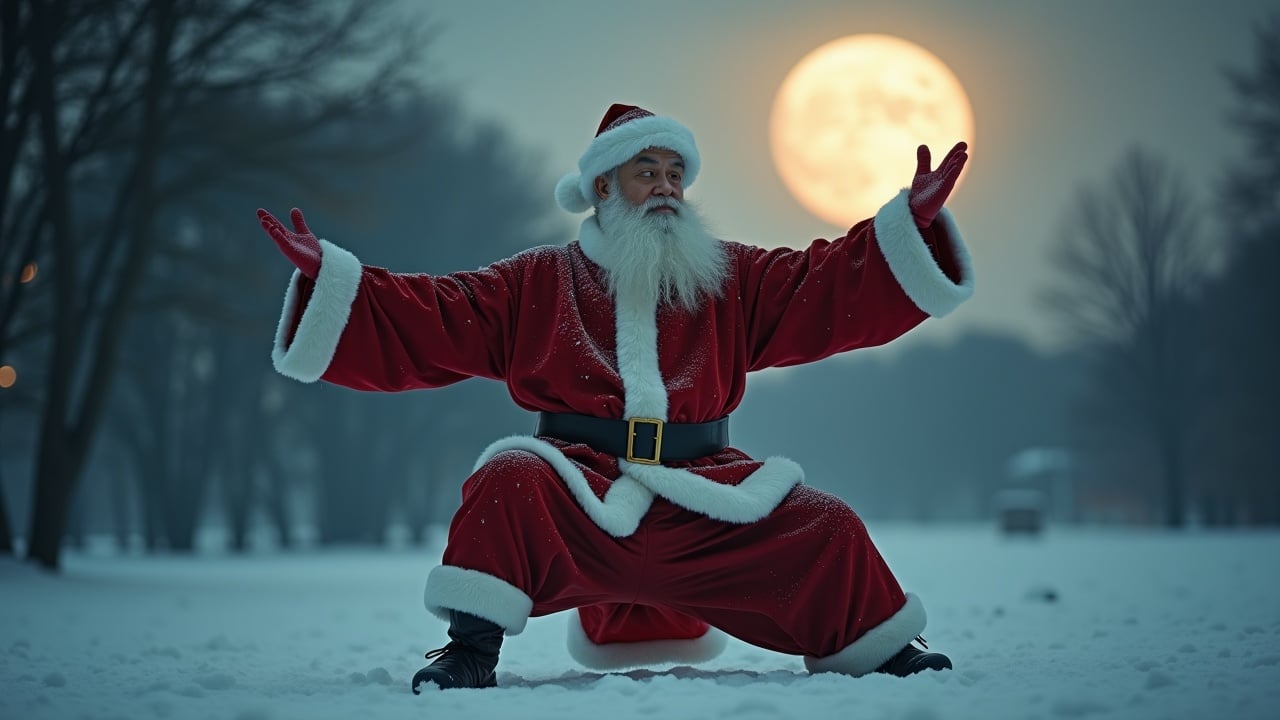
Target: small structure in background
[1038,488]
[1020,511]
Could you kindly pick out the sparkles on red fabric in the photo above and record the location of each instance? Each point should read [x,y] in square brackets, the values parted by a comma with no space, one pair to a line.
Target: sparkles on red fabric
[804,580]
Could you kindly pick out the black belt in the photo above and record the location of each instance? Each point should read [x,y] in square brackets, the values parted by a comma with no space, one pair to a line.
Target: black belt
[639,440]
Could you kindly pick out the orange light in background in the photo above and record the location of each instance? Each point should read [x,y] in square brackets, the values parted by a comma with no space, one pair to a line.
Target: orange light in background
[8,376]
[28,273]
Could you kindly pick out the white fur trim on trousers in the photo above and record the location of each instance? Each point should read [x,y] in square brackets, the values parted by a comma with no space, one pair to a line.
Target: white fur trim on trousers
[877,644]
[477,593]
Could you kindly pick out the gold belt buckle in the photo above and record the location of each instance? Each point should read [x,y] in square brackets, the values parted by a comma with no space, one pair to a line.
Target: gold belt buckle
[657,441]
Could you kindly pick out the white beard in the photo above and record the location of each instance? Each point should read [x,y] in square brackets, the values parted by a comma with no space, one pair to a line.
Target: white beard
[668,258]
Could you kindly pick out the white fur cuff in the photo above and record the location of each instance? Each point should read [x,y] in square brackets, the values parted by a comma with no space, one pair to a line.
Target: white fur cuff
[323,319]
[913,265]
[877,644]
[479,594]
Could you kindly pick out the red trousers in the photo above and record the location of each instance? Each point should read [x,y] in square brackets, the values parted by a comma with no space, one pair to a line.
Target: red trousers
[804,580]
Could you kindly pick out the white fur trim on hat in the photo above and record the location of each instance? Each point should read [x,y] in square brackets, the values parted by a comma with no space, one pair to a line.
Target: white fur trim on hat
[569,197]
[614,147]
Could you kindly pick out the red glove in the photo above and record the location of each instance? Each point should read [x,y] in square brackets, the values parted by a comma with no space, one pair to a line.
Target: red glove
[930,188]
[299,245]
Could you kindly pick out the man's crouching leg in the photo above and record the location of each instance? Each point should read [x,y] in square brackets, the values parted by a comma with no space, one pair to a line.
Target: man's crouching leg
[510,542]
[885,646]
[806,580]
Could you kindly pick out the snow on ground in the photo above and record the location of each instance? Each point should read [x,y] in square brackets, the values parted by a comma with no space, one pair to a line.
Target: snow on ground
[1090,624]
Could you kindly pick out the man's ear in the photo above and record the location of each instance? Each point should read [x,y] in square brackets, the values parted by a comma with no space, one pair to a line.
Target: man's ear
[602,187]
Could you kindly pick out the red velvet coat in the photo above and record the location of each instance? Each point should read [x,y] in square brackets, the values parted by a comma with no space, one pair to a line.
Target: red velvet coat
[543,323]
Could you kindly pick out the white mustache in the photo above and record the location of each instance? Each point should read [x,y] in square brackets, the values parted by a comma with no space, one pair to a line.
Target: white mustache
[671,257]
[657,202]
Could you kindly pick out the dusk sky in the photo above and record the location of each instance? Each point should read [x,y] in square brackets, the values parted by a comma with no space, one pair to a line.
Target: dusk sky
[1059,91]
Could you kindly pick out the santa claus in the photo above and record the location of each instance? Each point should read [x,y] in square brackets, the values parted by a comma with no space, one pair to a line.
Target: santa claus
[633,343]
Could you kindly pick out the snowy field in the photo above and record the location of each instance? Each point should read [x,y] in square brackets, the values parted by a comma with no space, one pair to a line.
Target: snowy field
[1091,624]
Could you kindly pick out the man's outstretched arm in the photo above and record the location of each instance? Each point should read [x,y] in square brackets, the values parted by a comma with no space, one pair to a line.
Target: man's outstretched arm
[368,328]
[867,288]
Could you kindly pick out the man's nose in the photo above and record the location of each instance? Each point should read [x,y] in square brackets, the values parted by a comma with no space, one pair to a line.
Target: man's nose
[664,187]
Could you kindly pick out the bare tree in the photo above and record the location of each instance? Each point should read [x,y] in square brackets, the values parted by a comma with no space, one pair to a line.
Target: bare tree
[17,109]
[1249,195]
[1242,441]
[115,87]
[6,533]
[1132,260]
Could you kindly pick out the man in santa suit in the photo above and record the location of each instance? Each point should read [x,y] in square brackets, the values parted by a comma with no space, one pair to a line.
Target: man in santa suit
[628,504]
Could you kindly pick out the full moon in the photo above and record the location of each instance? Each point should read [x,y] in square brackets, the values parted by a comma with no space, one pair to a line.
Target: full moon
[849,116]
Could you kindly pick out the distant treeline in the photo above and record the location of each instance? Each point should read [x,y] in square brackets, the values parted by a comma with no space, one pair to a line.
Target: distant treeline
[138,298]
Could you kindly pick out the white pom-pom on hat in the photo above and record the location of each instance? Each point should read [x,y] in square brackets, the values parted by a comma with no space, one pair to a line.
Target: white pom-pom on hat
[624,132]
[569,196]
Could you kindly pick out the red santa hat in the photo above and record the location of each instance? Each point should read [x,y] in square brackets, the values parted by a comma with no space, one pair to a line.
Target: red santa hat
[624,132]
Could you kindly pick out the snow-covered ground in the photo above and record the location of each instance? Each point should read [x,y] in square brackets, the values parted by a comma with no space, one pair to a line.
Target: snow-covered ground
[1096,624]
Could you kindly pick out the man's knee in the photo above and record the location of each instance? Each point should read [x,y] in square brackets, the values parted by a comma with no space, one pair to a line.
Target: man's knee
[820,509]
[510,471]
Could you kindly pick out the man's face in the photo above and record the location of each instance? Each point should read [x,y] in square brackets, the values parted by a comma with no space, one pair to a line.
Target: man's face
[655,245]
[651,173]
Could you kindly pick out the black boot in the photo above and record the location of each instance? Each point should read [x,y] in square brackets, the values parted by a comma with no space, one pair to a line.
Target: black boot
[911,660]
[468,661]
